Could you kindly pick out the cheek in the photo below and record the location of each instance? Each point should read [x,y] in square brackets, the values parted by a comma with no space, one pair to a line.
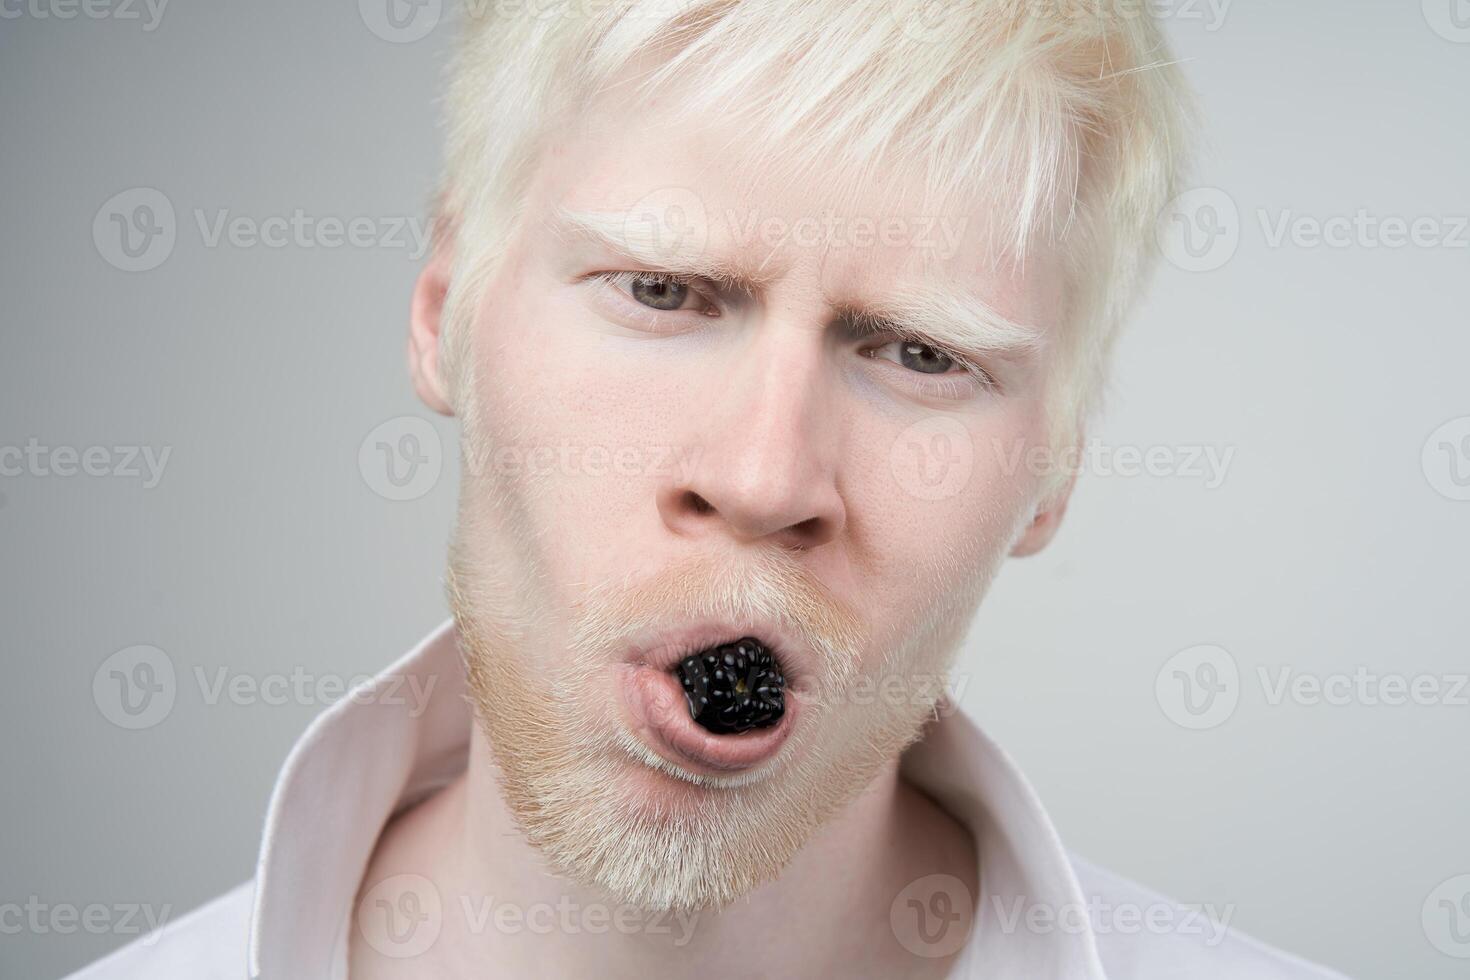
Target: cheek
[940,500]
[943,479]
[572,433]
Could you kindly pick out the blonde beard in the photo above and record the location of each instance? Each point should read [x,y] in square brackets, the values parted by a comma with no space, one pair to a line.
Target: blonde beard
[564,762]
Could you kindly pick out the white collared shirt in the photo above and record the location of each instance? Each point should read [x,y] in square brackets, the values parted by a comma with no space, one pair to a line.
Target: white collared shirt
[1041,914]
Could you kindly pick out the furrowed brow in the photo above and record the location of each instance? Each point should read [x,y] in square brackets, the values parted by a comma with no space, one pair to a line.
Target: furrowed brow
[644,242]
[936,312]
[949,317]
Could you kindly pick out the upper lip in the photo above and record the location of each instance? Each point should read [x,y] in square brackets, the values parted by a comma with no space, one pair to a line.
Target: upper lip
[665,647]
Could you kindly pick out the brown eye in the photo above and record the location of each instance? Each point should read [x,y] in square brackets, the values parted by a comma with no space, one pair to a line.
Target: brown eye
[659,293]
[924,359]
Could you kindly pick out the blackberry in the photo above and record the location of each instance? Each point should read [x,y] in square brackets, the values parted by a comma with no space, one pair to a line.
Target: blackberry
[733,687]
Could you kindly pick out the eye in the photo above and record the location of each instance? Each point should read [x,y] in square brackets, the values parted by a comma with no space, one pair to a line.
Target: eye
[932,369]
[661,294]
[924,358]
[661,291]
[920,357]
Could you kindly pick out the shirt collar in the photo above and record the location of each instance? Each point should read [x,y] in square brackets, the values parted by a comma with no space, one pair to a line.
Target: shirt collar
[403,734]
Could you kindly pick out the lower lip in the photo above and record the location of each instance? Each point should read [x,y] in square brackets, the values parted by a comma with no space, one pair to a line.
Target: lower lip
[659,715]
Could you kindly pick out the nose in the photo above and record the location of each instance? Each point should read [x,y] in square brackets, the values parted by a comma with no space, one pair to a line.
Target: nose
[763,455]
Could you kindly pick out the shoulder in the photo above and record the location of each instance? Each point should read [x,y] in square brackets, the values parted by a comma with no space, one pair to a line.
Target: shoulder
[205,944]
[1142,935]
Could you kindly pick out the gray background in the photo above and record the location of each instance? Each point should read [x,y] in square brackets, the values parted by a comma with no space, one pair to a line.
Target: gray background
[266,547]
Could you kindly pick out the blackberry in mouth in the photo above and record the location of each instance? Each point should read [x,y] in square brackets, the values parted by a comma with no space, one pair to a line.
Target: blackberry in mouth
[733,687]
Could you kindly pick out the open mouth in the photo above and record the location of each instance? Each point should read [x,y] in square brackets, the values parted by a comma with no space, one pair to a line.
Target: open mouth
[715,706]
[733,687]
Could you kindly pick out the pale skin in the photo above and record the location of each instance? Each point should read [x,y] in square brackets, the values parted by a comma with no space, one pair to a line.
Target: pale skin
[787,418]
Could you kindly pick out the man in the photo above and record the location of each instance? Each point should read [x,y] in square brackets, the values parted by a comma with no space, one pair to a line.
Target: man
[747,311]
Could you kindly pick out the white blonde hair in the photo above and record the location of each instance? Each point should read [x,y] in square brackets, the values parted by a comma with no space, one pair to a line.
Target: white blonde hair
[1068,113]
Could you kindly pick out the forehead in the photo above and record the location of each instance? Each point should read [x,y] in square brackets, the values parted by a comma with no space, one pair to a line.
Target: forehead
[695,187]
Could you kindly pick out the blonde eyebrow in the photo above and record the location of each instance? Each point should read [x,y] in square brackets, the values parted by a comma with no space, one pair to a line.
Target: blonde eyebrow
[930,310]
[639,242]
[948,316]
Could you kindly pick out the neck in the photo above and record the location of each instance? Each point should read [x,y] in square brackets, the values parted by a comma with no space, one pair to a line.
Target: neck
[506,913]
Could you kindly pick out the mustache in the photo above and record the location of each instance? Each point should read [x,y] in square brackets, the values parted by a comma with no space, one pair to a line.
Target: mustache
[766,585]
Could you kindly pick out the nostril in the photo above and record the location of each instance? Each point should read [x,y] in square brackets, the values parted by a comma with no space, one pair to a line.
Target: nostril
[810,528]
[749,516]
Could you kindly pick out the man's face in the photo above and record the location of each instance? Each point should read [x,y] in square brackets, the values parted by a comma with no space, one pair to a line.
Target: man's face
[652,466]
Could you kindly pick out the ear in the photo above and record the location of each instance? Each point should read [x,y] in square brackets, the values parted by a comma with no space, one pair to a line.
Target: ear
[1044,524]
[425,326]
